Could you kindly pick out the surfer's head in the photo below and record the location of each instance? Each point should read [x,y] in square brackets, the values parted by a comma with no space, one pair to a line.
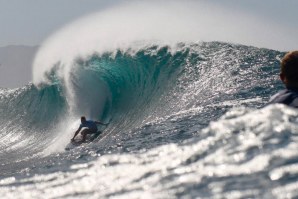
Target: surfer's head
[83,119]
[289,69]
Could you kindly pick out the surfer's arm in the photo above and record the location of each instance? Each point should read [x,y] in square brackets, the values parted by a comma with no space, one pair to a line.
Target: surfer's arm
[76,133]
[98,122]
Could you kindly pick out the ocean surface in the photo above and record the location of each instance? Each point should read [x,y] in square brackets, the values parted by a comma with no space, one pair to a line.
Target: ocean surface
[185,121]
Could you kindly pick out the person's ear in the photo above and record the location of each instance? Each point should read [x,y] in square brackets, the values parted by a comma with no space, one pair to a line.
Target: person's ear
[283,78]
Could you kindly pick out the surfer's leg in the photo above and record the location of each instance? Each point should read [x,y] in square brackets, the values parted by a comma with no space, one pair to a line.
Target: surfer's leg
[85,132]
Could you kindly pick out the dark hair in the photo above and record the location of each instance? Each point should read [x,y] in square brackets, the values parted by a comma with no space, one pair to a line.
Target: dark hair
[289,66]
[83,118]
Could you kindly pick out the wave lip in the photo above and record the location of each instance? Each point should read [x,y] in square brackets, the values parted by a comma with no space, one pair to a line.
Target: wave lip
[122,26]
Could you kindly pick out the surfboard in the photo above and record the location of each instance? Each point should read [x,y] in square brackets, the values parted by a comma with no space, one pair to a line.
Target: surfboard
[78,141]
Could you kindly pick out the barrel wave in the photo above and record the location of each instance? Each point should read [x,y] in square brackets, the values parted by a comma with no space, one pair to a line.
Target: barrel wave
[185,120]
[133,88]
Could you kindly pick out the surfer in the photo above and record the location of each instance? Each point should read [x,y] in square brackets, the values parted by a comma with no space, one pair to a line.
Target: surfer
[289,77]
[90,127]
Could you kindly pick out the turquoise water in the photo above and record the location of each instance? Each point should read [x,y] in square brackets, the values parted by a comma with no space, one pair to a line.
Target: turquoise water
[185,122]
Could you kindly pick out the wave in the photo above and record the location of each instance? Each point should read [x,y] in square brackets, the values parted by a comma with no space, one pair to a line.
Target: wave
[132,88]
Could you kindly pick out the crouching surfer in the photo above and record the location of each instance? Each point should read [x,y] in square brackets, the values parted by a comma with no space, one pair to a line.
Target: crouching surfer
[90,127]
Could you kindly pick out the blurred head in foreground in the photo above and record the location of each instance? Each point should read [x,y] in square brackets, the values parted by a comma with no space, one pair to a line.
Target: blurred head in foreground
[289,77]
[289,69]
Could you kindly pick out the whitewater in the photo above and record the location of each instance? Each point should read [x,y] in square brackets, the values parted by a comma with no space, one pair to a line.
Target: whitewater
[187,117]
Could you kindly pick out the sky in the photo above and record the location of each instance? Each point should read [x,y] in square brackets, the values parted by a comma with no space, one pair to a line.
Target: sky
[30,22]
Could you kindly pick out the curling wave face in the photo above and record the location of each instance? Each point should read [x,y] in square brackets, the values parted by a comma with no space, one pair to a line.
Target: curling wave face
[136,87]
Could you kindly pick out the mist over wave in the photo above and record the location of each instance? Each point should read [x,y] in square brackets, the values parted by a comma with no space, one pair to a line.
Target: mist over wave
[165,23]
